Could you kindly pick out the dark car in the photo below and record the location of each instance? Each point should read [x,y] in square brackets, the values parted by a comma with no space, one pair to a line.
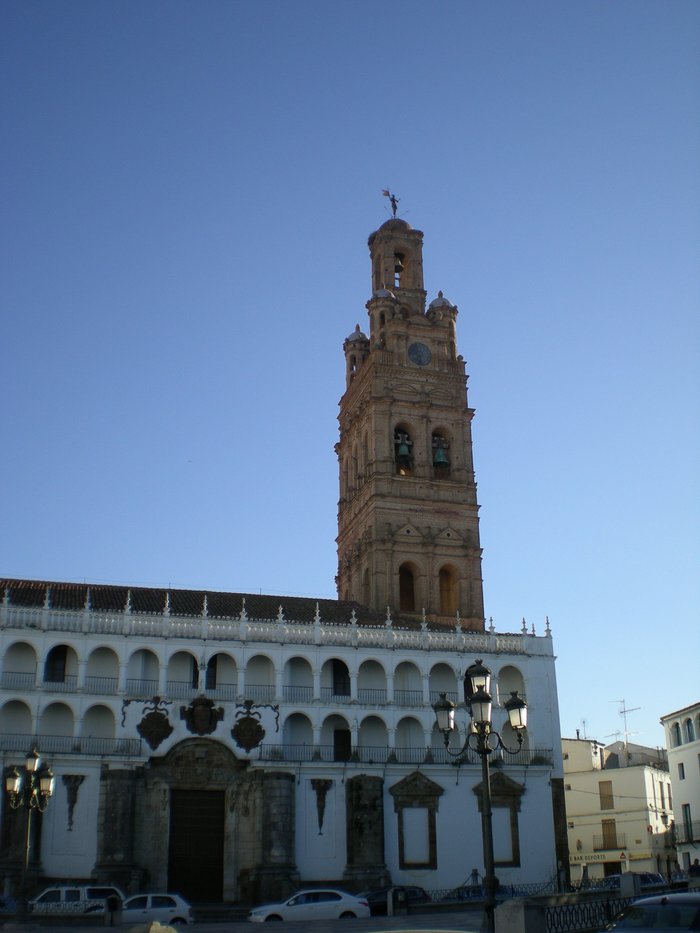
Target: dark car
[664,912]
[403,894]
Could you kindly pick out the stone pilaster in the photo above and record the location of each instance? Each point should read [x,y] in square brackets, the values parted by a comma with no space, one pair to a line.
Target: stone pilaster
[276,875]
[115,827]
[364,813]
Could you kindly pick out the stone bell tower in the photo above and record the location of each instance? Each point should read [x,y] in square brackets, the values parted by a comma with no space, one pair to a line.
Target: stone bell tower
[408,527]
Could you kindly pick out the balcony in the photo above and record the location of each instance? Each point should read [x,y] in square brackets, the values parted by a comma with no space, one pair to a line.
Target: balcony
[609,841]
[686,833]
[70,745]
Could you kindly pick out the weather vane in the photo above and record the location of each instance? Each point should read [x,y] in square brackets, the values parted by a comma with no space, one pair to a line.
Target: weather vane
[394,200]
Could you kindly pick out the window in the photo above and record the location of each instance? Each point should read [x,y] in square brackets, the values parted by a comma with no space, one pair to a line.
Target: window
[162,900]
[609,834]
[676,739]
[341,679]
[342,745]
[55,666]
[195,673]
[210,681]
[670,801]
[138,903]
[449,600]
[407,593]
[663,796]
[689,730]
[605,791]
[687,820]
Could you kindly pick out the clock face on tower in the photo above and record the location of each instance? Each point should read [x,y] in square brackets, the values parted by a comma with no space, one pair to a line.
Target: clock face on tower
[419,354]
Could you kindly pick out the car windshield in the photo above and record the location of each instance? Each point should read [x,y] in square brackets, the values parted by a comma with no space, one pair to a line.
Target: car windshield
[659,917]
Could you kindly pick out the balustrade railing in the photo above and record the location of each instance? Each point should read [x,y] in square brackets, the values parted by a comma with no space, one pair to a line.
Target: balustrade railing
[609,841]
[298,694]
[371,696]
[382,754]
[408,697]
[101,684]
[69,744]
[18,680]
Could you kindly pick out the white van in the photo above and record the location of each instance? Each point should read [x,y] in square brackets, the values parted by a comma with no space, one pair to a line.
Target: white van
[73,899]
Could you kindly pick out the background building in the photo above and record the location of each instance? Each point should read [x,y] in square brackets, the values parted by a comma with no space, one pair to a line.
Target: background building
[682,730]
[230,746]
[618,808]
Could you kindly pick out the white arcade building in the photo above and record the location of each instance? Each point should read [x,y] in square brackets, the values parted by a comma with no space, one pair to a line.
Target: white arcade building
[230,746]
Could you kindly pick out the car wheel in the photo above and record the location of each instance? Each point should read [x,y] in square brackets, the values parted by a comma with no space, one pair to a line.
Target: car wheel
[272,917]
[347,915]
[177,921]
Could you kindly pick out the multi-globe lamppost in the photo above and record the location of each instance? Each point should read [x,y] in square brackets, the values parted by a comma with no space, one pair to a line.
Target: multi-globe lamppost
[29,788]
[483,739]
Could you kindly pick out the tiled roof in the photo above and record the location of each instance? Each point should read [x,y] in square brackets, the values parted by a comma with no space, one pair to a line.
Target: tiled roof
[153,600]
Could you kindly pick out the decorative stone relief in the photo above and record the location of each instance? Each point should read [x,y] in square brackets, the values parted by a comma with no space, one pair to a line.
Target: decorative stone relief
[248,731]
[201,717]
[72,783]
[155,727]
[321,787]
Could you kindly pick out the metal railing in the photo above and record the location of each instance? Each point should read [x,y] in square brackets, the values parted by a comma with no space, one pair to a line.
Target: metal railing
[408,697]
[371,696]
[70,744]
[298,694]
[328,695]
[686,832]
[18,680]
[101,684]
[382,754]
[609,841]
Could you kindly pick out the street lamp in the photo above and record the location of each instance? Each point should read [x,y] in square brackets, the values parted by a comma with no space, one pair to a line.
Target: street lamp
[483,739]
[29,789]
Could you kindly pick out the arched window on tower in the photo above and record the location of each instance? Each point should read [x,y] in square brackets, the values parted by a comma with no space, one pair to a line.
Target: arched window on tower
[399,267]
[441,456]
[449,591]
[403,458]
[407,589]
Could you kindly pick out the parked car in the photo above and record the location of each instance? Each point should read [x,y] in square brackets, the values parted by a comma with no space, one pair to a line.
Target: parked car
[165,908]
[313,904]
[670,912]
[8,906]
[406,894]
[73,899]
[648,879]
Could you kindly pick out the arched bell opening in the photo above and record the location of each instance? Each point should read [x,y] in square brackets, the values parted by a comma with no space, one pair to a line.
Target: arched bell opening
[441,455]
[403,451]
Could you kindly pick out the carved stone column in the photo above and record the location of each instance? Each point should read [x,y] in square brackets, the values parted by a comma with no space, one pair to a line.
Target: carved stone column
[364,813]
[276,875]
[115,827]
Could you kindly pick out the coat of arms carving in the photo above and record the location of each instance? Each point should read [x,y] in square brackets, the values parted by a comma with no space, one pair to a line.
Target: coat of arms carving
[201,716]
[155,726]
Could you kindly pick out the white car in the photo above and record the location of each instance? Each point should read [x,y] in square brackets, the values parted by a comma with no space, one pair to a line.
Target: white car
[313,904]
[165,908]
[73,899]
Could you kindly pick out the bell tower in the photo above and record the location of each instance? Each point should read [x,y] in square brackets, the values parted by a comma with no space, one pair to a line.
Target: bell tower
[408,526]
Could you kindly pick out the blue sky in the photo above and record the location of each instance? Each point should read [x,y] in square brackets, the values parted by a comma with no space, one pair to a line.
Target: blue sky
[187,191]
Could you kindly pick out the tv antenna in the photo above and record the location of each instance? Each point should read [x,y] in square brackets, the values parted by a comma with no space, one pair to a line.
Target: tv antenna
[623,711]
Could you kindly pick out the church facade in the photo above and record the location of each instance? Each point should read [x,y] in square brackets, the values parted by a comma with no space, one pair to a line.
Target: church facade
[232,746]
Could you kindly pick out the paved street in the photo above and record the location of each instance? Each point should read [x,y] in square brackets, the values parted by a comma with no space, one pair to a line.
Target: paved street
[466,921]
